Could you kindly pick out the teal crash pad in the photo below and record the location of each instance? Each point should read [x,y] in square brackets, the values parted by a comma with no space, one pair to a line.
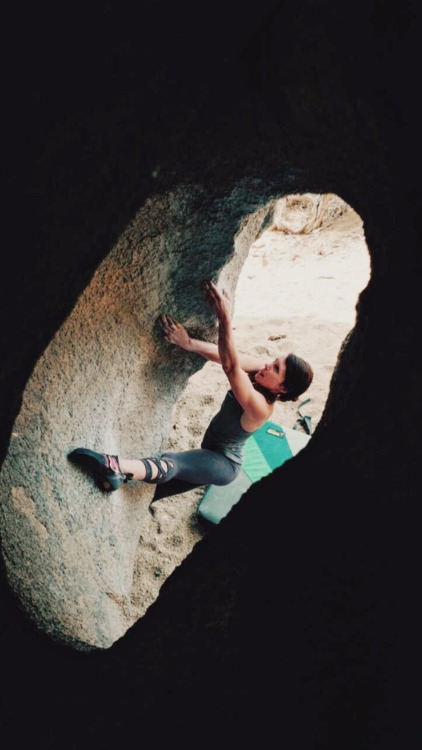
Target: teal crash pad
[266,450]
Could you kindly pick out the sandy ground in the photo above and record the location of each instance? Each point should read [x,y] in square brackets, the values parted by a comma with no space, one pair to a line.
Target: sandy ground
[297,292]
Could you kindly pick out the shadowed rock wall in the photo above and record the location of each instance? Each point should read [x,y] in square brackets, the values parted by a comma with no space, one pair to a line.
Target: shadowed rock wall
[301,629]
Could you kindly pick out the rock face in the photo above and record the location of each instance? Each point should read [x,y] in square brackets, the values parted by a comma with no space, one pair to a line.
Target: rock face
[104,382]
[141,159]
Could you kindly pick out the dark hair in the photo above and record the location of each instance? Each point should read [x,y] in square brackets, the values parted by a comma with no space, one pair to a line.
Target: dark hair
[299,376]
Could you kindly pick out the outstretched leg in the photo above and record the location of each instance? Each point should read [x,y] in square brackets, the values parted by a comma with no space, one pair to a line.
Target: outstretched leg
[198,467]
[110,472]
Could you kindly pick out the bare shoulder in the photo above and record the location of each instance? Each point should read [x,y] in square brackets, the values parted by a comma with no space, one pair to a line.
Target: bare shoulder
[256,411]
[253,419]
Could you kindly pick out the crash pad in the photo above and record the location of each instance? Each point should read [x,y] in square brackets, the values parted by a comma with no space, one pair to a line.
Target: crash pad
[266,449]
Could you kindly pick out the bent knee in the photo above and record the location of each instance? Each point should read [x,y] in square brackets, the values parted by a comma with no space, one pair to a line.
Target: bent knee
[222,482]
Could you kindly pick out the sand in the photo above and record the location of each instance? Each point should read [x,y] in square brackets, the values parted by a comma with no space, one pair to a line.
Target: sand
[297,292]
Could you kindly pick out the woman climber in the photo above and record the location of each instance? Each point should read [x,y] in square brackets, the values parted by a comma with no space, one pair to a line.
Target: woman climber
[255,386]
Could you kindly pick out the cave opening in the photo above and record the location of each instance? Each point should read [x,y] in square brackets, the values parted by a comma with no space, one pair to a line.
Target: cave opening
[297,291]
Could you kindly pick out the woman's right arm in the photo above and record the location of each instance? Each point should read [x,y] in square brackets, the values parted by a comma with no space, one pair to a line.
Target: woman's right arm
[176,333]
[256,408]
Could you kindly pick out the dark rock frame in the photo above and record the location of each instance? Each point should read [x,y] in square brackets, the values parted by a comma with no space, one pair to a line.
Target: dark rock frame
[105,107]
